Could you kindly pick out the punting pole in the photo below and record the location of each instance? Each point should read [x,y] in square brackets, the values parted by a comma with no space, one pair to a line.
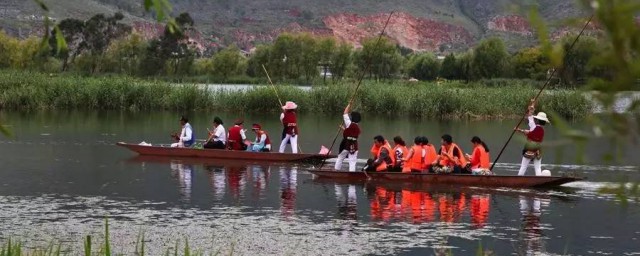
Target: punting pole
[538,95]
[278,96]
[355,92]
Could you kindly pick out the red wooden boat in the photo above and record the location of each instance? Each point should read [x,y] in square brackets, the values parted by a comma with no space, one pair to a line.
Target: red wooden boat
[449,179]
[223,154]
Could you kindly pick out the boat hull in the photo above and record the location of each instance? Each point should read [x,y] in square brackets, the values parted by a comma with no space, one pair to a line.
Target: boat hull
[448,179]
[223,154]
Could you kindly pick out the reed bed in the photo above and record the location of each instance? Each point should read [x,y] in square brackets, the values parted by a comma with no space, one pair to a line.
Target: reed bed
[22,90]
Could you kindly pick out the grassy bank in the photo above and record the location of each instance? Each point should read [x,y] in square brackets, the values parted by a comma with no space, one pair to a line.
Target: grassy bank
[29,91]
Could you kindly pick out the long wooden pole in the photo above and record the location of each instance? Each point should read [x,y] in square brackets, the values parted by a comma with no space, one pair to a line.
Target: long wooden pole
[538,95]
[364,72]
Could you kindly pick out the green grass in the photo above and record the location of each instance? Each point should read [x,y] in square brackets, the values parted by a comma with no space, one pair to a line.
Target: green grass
[22,90]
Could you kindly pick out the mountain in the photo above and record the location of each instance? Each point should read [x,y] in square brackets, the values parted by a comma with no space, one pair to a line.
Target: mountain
[431,25]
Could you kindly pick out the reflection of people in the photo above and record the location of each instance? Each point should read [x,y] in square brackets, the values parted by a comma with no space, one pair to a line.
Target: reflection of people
[479,210]
[235,178]
[183,173]
[186,137]
[217,181]
[349,145]
[290,129]
[262,143]
[535,136]
[531,235]
[218,137]
[259,176]
[347,205]
[288,186]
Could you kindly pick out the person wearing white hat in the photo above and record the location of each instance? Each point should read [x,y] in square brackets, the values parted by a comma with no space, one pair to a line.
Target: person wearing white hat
[535,136]
[290,129]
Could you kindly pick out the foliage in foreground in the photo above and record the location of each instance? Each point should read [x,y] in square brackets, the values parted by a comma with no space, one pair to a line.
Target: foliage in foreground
[33,91]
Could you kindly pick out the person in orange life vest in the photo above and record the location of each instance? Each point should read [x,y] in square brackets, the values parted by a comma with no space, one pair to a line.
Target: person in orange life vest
[479,159]
[383,158]
[535,136]
[262,142]
[236,136]
[414,159]
[349,144]
[450,157]
[400,151]
[290,130]
[430,153]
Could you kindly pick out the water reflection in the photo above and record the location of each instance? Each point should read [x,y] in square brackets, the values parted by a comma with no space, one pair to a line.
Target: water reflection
[347,202]
[288,186]
[531,237]
[217,181]
[183,173]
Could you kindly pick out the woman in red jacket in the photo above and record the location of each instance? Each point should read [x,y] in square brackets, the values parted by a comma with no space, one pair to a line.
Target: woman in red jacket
[535,136]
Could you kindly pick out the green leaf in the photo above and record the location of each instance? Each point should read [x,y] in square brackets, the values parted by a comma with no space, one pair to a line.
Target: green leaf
[42,5]
[61,43]
[147,4]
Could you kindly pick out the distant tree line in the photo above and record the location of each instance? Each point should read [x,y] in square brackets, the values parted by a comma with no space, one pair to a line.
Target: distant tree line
[103,44]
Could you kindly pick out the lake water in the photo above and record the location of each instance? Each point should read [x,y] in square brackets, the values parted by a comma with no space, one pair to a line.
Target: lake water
[62,175]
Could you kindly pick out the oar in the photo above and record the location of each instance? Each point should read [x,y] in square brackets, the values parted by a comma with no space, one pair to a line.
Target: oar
[538,95]
[278,96]
[355,92]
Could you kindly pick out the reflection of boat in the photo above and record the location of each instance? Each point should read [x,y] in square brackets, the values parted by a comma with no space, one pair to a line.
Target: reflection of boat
[210,162]
[456,179]
[183,173]
[223,154]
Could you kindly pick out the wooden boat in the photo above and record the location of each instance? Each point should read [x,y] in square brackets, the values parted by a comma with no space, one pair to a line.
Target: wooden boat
[223,154]
[449,179]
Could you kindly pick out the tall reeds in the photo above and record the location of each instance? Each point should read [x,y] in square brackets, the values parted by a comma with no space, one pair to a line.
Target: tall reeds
[23,90]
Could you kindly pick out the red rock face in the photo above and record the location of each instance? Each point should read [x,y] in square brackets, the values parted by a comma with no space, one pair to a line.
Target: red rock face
[150,30]
[510,23]
[415,33]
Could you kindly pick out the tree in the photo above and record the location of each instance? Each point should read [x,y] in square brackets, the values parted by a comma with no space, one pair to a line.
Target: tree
[124,55]
[530,63]
[423,66]
[170,53]
[228,62]
[489,58]
[341,59]
[72,30]
[575,63]
[260,57]
[383,57]
[450,68]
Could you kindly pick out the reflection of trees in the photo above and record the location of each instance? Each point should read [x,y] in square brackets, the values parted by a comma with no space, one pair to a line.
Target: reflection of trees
[183,173]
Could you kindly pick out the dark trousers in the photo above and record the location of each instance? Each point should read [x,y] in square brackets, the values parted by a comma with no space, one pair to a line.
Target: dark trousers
[214,145]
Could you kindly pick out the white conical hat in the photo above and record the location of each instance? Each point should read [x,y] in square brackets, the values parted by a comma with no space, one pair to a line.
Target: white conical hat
[542,116]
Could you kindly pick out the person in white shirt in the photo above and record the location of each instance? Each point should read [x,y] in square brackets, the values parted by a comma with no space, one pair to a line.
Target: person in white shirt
[218,137]
[186,137]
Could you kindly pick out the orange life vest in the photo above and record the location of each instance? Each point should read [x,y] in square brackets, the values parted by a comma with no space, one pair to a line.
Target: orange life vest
[431,155]
[404,152]
[384,164]
[483,155]
[416,161]
[444,161]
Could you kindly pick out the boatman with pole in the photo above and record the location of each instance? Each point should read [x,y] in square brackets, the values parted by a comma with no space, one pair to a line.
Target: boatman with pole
[535,135]
[349,145]
[290,129]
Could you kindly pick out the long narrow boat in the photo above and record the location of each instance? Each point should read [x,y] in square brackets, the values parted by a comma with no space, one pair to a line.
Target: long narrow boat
[449,179]
[223,154]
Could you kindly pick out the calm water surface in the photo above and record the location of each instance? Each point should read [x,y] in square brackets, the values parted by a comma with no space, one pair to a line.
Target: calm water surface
[61,175]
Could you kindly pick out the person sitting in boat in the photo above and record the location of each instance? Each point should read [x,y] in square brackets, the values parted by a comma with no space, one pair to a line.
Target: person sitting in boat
[430,153]
[186,138]
[383,159]
[535,136]
[349,144]
[236,136]
[400,151]
[450,157]
[415,158]
[479,159]
[262,142]
[290,129]
[217,137]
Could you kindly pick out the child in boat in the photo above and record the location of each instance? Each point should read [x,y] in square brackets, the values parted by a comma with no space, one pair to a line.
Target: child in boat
[479,159]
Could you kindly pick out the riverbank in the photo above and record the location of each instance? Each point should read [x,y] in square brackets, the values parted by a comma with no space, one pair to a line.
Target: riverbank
[22,90]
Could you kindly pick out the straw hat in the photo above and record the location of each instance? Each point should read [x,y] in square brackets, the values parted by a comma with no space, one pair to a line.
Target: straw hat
[289,105]
[542,116]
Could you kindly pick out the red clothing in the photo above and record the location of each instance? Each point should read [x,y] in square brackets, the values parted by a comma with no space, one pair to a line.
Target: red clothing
[350,138]
[235,138]
[290,123]
[537,135]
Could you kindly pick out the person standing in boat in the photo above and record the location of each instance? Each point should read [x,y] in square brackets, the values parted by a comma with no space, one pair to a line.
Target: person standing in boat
[186,137]
[535,136]
[400,151]
[383,159]
[236,136]
[262,142]
[479,159]
[349,145]
[218,136]
[290,129]
[450,157]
